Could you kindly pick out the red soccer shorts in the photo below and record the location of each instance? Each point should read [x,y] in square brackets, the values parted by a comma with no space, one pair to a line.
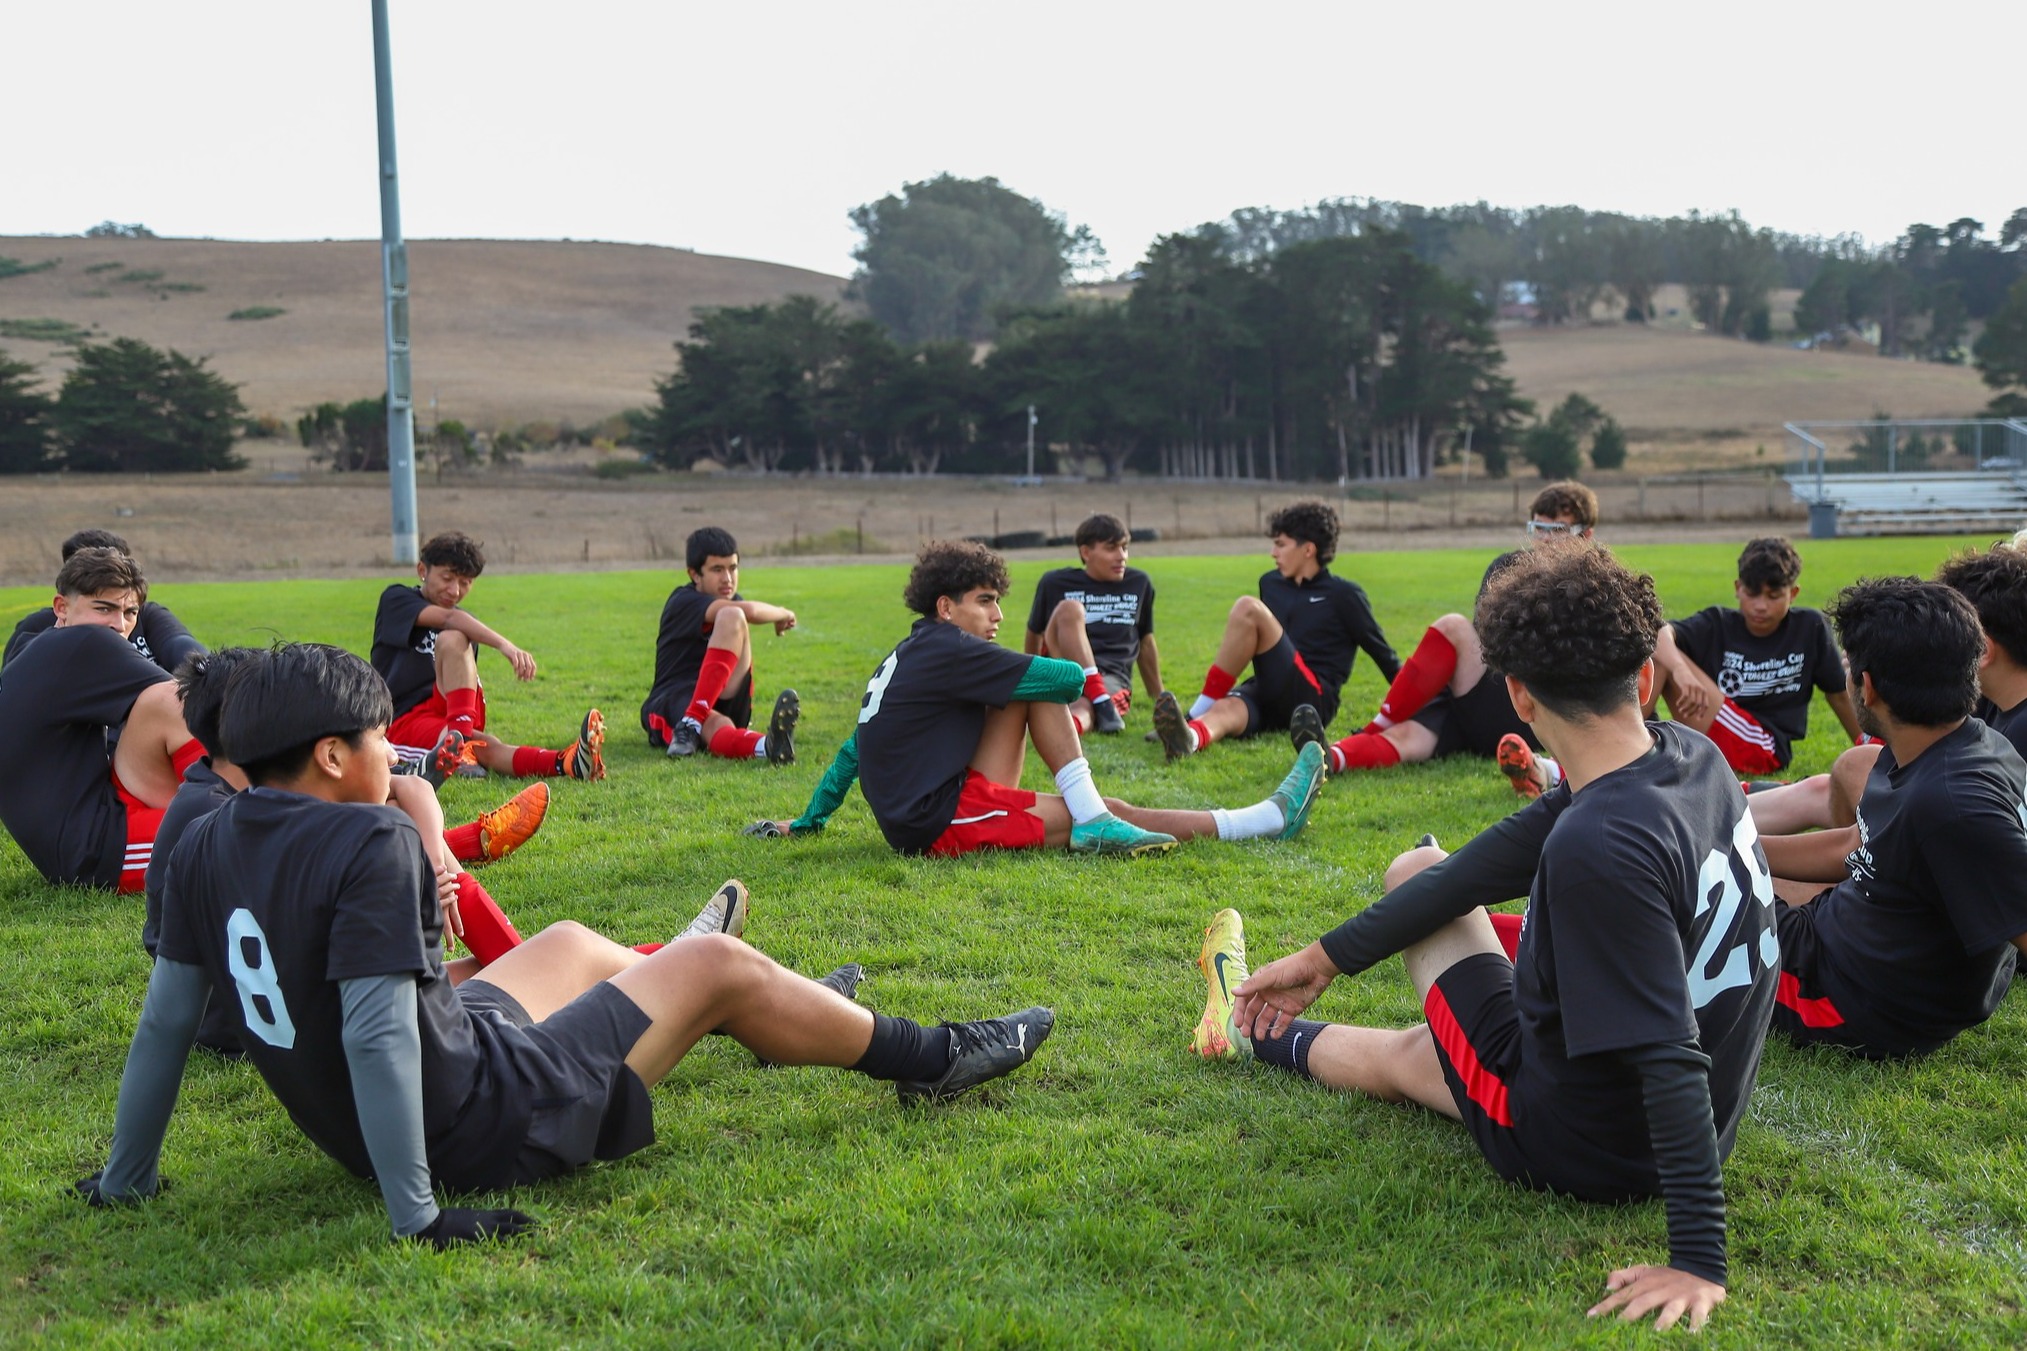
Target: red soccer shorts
[1748,747]
[142,823]
[422,725]
[989,816]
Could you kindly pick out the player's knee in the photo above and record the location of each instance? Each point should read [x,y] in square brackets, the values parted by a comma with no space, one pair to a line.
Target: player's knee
[451,643]
[159,698]
[1068,612]
[1457,628]
[728,622]
[1413,861]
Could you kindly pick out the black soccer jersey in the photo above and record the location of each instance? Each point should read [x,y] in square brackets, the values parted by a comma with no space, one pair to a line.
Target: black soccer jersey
[56,700]
[919,724]
[1916,945]
[679,654]
[1771,677]
[158,635]
[1650,923]
[1117,615]
[2010,723]
[404,653]
[279,897]
[1330,621]
[201,793]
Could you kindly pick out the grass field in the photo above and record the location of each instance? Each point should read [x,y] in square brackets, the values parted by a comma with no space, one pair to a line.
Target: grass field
[1114,1192]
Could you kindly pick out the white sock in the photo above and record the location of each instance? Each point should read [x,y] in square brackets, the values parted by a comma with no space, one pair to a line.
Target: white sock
[1201,706]
[1249,823]
[1551,769]
[1080,794]
[760,749]
[1337,760]
[1382,721]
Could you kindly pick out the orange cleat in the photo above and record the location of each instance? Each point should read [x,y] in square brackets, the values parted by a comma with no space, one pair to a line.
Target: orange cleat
[1516,761]
[585,758]
[514,822]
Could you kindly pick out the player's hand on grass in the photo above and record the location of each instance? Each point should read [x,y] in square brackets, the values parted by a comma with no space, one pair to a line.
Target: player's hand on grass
[92,1189]
[769,830]
[455,1226]
[523,664]
[1273,996]
[1639,1291]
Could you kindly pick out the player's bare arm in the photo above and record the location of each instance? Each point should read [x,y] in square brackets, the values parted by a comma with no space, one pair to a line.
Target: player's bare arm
[1815,857]
[1278,993]
[756,612]
[472,627]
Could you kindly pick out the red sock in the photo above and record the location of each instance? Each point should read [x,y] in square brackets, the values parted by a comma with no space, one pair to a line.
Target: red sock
[186,755]
[712,678]
[464,843]
[1366,750]
[648,949]
[1094,687]
[461,709]
[1218,682]
[532,762]
[1203,733]
[1422,677]
[488,933]
[1508,928]
[734,743]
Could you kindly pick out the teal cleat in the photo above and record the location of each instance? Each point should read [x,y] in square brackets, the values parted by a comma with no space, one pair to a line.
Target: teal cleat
[1108,834]
[1297,793]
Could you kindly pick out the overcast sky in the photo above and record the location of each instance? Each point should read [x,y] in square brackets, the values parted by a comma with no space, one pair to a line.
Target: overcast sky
[752,128]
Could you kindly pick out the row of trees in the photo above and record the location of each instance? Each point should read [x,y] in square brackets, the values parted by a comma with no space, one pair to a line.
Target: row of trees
[1344,357]
[125,407]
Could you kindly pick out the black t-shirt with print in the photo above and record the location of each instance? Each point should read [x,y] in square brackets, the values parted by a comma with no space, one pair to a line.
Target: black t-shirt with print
[201,793]
[158,635]
[279,898]
[1117,615]
[1915,946]
[1771,678]
[404,653]
[680,644]
[919,724]
[57,698]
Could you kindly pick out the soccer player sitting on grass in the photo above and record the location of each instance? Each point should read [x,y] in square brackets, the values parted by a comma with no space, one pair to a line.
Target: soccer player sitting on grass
[1101,616]
[1919,937]
[943,732]
[157,635]
[1300,636]
[703,690]
[1611,1056]
[77,815]
[1445,700]
[1743,677]
[426,648]
[312,909]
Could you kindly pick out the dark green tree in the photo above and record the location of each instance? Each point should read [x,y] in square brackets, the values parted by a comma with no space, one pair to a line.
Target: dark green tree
[1608,445]
[948,256]
[2001,354]
[1552,449]
[24,419]
[127,407]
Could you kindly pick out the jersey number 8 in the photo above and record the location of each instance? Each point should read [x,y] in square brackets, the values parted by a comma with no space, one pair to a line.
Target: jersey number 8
[257,981]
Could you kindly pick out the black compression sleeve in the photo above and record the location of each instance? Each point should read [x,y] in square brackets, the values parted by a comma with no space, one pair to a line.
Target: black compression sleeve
[1675,1081]
[1497,865]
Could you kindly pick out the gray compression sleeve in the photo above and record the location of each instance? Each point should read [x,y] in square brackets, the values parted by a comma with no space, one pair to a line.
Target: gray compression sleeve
[383,1051]
[169,1018]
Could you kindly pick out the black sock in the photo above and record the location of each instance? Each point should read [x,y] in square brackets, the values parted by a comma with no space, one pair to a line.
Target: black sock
[1290,1050]
[902,1049]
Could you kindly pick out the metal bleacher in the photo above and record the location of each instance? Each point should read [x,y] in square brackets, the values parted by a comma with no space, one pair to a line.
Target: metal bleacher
[1988,491]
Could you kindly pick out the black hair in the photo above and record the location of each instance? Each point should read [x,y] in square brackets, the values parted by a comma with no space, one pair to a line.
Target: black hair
[1919,641]
[201,681]
[1769,563]
[94,571]
[1307,522]
[951,567]
[709,542]
[1101,529]
[456,550]
[1995,583]
[94,539]
[278,709]
[1573,624]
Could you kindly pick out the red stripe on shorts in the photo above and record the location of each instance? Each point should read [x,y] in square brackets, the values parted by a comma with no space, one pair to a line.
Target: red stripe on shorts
[1812,1012]
[1481,1085]
[1308,674]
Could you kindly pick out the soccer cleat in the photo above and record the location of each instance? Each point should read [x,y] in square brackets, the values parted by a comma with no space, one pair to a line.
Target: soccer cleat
[725,913]
[1171,727]
[1305,725]
[1516,761]
[514,822]
[686,739]
[444,757]
[781,728]
[584,758]
[981,1051]
[764,830]
[1105,718]
[1222,959]
[1427,841]
[1297,793]
[1108,834]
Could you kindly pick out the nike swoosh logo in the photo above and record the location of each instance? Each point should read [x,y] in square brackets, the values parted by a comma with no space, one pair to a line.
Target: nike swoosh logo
[1318,600]
[1295,1045]
[1218,962]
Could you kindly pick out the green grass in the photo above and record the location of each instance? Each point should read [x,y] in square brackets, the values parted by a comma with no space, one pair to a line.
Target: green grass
[43,330]
[1113,1192]
[258,312]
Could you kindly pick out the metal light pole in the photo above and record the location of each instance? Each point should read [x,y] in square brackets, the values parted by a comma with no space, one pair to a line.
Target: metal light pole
[394,280]
[1031,440]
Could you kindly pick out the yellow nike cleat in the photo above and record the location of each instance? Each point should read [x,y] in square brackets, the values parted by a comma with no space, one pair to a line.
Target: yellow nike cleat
[1223,962]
